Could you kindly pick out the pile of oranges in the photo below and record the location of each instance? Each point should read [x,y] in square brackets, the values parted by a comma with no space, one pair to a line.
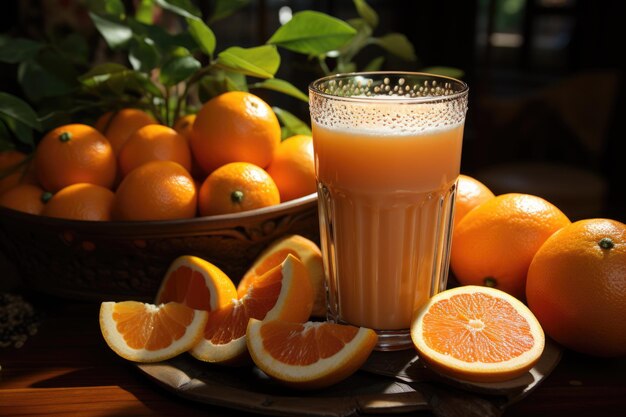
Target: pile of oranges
[226,159]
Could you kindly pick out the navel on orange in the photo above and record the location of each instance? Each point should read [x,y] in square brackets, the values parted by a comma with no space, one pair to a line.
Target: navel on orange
[478,334]
[149,333]
[196,283]
[308,355]
[283,292]
[235,126]
[576,287]
[303,249]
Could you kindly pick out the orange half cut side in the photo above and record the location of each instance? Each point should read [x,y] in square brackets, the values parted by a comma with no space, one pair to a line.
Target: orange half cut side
[478,334]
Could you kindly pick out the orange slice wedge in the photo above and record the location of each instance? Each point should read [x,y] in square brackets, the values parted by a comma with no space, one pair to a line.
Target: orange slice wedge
[477,334]
[283,292]
[303,249]
[308,355]
[143,332]
[196,283]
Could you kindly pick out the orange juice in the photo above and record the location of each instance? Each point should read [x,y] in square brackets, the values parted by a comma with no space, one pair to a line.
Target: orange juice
[385,202]
[387,149]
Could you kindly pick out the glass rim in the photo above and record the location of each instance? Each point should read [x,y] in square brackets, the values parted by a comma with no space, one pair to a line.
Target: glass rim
[314,88]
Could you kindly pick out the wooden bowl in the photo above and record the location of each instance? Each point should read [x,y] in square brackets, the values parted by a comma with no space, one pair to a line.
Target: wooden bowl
[127,260]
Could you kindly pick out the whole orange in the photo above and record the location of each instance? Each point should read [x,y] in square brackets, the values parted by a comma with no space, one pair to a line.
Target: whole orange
[81,201]
[293,167]
[470,194]
[117,126]
[495,242]
[156,190]
[577,287]
[154,143]
[74,153]
[14,169]
[234,127]
[28,198]
[235,187]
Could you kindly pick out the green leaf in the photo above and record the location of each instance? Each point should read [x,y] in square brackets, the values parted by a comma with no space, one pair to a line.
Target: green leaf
[21,132]
[75,47]
[291,125]
[184,8]
[114,33]
[143,55]
[221,81]
[14,108]
[397,44]
[117,79]
[224,8]
[5,138]
[261,61]
[282,86]
[178,69]
[15,50]
[203,35]
[366,12]
[39,83]
[312,33]
[445,71]
[101,69]
[375,64]
[113,8]
[144,11]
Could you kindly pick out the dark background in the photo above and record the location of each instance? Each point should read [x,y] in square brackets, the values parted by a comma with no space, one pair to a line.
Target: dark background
[546,81]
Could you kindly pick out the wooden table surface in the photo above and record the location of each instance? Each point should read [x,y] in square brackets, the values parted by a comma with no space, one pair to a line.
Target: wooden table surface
[67,369]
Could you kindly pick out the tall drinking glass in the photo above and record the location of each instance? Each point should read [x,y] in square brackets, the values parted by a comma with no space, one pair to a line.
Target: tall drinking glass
[387,158]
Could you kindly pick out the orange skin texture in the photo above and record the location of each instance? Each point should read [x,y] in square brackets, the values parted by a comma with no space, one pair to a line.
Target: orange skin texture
[86,156]
[154,143]
[125,122]
[235,127]
[470,194]
[293,167]
[27,198]
[257,189]
[81,202]
[577,288]
[156,190]
[496,241]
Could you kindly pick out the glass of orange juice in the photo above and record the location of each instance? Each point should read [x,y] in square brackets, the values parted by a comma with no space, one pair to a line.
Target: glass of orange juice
[387,157]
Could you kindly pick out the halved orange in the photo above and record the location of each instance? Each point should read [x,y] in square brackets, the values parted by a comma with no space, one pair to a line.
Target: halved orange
[308,355]
[303,249]
[197,283]
[283,292]
[143,332]
[478,334]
